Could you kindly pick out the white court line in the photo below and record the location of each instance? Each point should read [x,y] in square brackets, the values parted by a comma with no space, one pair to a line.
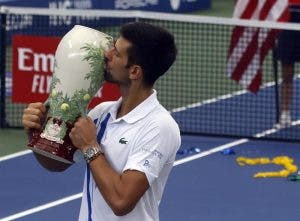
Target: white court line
[211,151]
[228,145]
[14,155]
[42,207]
[224,97]
[219,98]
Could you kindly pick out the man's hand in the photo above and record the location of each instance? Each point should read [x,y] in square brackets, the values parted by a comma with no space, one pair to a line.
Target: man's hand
[33,116]
[84,133]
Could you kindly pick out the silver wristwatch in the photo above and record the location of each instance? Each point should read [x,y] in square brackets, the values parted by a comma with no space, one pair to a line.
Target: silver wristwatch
[91,153]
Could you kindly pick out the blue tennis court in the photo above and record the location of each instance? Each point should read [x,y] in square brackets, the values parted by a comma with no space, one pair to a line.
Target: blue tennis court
[204,184]
[228,114]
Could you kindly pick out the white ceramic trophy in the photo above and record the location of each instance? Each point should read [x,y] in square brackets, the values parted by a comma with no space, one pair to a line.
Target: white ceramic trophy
[77,76]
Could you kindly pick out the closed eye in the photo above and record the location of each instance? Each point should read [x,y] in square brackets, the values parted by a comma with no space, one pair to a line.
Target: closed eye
[116,51]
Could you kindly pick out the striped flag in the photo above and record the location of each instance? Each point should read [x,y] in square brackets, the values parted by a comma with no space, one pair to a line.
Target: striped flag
[249,46]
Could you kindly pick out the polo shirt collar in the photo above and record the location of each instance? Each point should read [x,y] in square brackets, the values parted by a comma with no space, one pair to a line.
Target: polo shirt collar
[138,112]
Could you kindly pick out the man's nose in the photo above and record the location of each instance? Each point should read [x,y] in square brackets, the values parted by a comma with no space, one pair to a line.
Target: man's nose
[108,54]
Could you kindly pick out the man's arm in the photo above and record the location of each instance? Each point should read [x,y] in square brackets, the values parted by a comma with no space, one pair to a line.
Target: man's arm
[121,191]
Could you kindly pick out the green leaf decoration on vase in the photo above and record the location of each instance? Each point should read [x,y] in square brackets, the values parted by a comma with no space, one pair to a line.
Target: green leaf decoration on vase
[68,108]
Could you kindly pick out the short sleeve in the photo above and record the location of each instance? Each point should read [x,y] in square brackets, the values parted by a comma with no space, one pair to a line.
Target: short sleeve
[155,146]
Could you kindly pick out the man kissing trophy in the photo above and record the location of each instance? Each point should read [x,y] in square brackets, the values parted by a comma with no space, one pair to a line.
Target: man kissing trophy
[77,76]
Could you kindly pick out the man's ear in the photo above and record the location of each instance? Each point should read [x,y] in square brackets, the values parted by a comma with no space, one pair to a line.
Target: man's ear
[135,72]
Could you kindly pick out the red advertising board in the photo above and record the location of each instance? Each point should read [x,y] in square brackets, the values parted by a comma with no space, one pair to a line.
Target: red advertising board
[33,62]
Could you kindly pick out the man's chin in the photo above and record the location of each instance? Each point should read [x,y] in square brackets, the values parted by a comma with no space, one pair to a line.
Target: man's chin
[108,77]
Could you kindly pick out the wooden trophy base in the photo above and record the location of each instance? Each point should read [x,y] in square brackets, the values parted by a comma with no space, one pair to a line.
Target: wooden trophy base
[61,150]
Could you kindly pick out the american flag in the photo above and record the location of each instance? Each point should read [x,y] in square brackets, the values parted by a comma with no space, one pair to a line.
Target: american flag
[249,46]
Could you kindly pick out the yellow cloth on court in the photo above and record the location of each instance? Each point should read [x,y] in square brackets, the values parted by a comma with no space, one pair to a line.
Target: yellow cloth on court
[285,161]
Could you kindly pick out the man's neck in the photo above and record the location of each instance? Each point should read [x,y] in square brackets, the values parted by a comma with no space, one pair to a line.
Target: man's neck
[131,98]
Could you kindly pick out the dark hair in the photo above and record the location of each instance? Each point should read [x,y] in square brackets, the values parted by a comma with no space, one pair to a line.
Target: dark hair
[153,48]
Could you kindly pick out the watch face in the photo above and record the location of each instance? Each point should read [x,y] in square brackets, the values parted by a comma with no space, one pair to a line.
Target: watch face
[90,152]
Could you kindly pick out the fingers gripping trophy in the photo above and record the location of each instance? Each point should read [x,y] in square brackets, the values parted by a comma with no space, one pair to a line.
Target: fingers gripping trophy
[78,74]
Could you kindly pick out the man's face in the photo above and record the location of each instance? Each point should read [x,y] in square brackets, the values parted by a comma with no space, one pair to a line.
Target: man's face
[116,60]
